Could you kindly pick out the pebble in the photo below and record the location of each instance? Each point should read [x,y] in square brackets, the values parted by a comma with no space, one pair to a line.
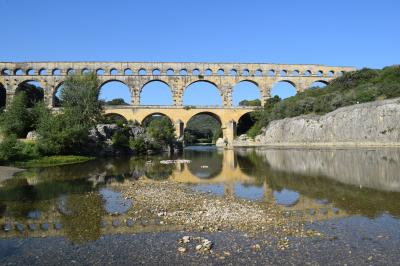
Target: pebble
[182,249]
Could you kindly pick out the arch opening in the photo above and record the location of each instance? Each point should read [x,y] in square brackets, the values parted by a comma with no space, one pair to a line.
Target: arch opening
[128,71]
[284,89]
[156,92]
[202,128]
[57,95]
[196,72]
[113,71]
[19,72]
[113,118]
[3,96]
[56,72]
[245,122]
[258,73]
[320,84]
[115,92]
[5,72]
[33,90]
[30,72]
[202,93]
[170,72]
[246,93]
[147,120]
[100,72]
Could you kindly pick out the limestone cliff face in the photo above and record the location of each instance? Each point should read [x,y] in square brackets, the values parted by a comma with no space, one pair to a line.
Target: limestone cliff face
[369,123]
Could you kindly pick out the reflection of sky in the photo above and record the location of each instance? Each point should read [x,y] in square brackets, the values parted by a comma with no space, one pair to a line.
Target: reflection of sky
[248,191]
[286,197]
[214,189]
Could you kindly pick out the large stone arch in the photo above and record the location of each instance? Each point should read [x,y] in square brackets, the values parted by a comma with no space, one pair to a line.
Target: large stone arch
[260,89]
[142,120]
[116,115]
[124,82]
[39,97]
[192,82]
[141,87]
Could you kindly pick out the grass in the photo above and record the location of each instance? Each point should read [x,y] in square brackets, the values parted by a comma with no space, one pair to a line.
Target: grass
[48,161]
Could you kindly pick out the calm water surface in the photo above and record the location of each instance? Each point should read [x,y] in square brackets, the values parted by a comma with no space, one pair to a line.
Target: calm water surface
[75,201]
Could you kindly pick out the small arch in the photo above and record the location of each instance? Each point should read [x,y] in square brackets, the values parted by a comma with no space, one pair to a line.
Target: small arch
[70,71]
[295,73]
[33,91]
[319,84]
[220,72]
[128,71]
[320,73]
[284,89]
[114,118]
[258,73]
[156,72]
[307,73]
[156,92]
[30,72]
[202,92]
[283,73]
[100,72]
[245,72]
[170,72]
[246,93]
[142,72]
[196,72]
[340,73]
[233,72]
[331,73]
[56,72]
[208,72]
[5,72]
[147,120]
[113,72]
[42,72]
[114,90]
[271,72]
[18,72]
[245,122]
[183,72]
[85,71]
[195,132]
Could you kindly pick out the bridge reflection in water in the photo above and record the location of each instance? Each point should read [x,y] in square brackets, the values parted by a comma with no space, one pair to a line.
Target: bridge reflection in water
[318,184]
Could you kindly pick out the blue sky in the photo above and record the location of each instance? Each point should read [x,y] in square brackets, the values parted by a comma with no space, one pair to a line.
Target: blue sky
[355,33]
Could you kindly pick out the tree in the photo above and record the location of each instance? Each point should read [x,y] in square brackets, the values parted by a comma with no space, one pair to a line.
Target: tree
[162,131]
[255,102]
[67,132]
[117,101]
[17,119]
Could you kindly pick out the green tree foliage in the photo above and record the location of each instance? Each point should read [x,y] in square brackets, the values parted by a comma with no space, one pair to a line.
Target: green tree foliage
[33,93]
[67,132]
[353,87]
[11,149]
[255,102]
[117,101]
[202,128]
[17,120]
[162,131]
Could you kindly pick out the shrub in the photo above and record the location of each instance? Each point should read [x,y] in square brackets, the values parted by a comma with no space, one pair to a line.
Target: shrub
[11,149]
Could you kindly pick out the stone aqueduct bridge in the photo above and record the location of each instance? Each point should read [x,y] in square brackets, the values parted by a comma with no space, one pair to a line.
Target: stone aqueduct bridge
[178,76]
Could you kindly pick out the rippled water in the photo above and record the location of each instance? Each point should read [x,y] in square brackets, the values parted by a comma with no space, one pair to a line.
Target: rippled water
[76,201]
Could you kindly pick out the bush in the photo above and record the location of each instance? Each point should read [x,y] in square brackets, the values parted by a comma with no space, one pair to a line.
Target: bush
[17,120]
[162,131]
[11,149]
[138,144]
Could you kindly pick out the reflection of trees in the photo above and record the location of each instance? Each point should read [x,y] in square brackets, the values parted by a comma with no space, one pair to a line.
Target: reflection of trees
[82,216]
[366,201]
[158,171]
[21,197]
[209,158]
[252,165]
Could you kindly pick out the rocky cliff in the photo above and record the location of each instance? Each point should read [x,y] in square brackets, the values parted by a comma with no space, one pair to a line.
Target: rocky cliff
[374,123]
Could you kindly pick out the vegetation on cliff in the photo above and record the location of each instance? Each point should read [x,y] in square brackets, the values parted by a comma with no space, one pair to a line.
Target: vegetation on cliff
[352,88]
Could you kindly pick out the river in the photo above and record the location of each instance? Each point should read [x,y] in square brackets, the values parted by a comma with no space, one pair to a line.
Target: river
[72,212]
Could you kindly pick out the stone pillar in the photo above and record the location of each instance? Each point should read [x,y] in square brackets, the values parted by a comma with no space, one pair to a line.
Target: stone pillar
[48,96]
[265,95]
[135,96]
[229,132]
[179,128]
[226,94]
[177,97]
[268,193]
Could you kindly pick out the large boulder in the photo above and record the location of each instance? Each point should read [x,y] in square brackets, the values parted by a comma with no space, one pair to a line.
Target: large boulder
[32,135]
[220,143]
